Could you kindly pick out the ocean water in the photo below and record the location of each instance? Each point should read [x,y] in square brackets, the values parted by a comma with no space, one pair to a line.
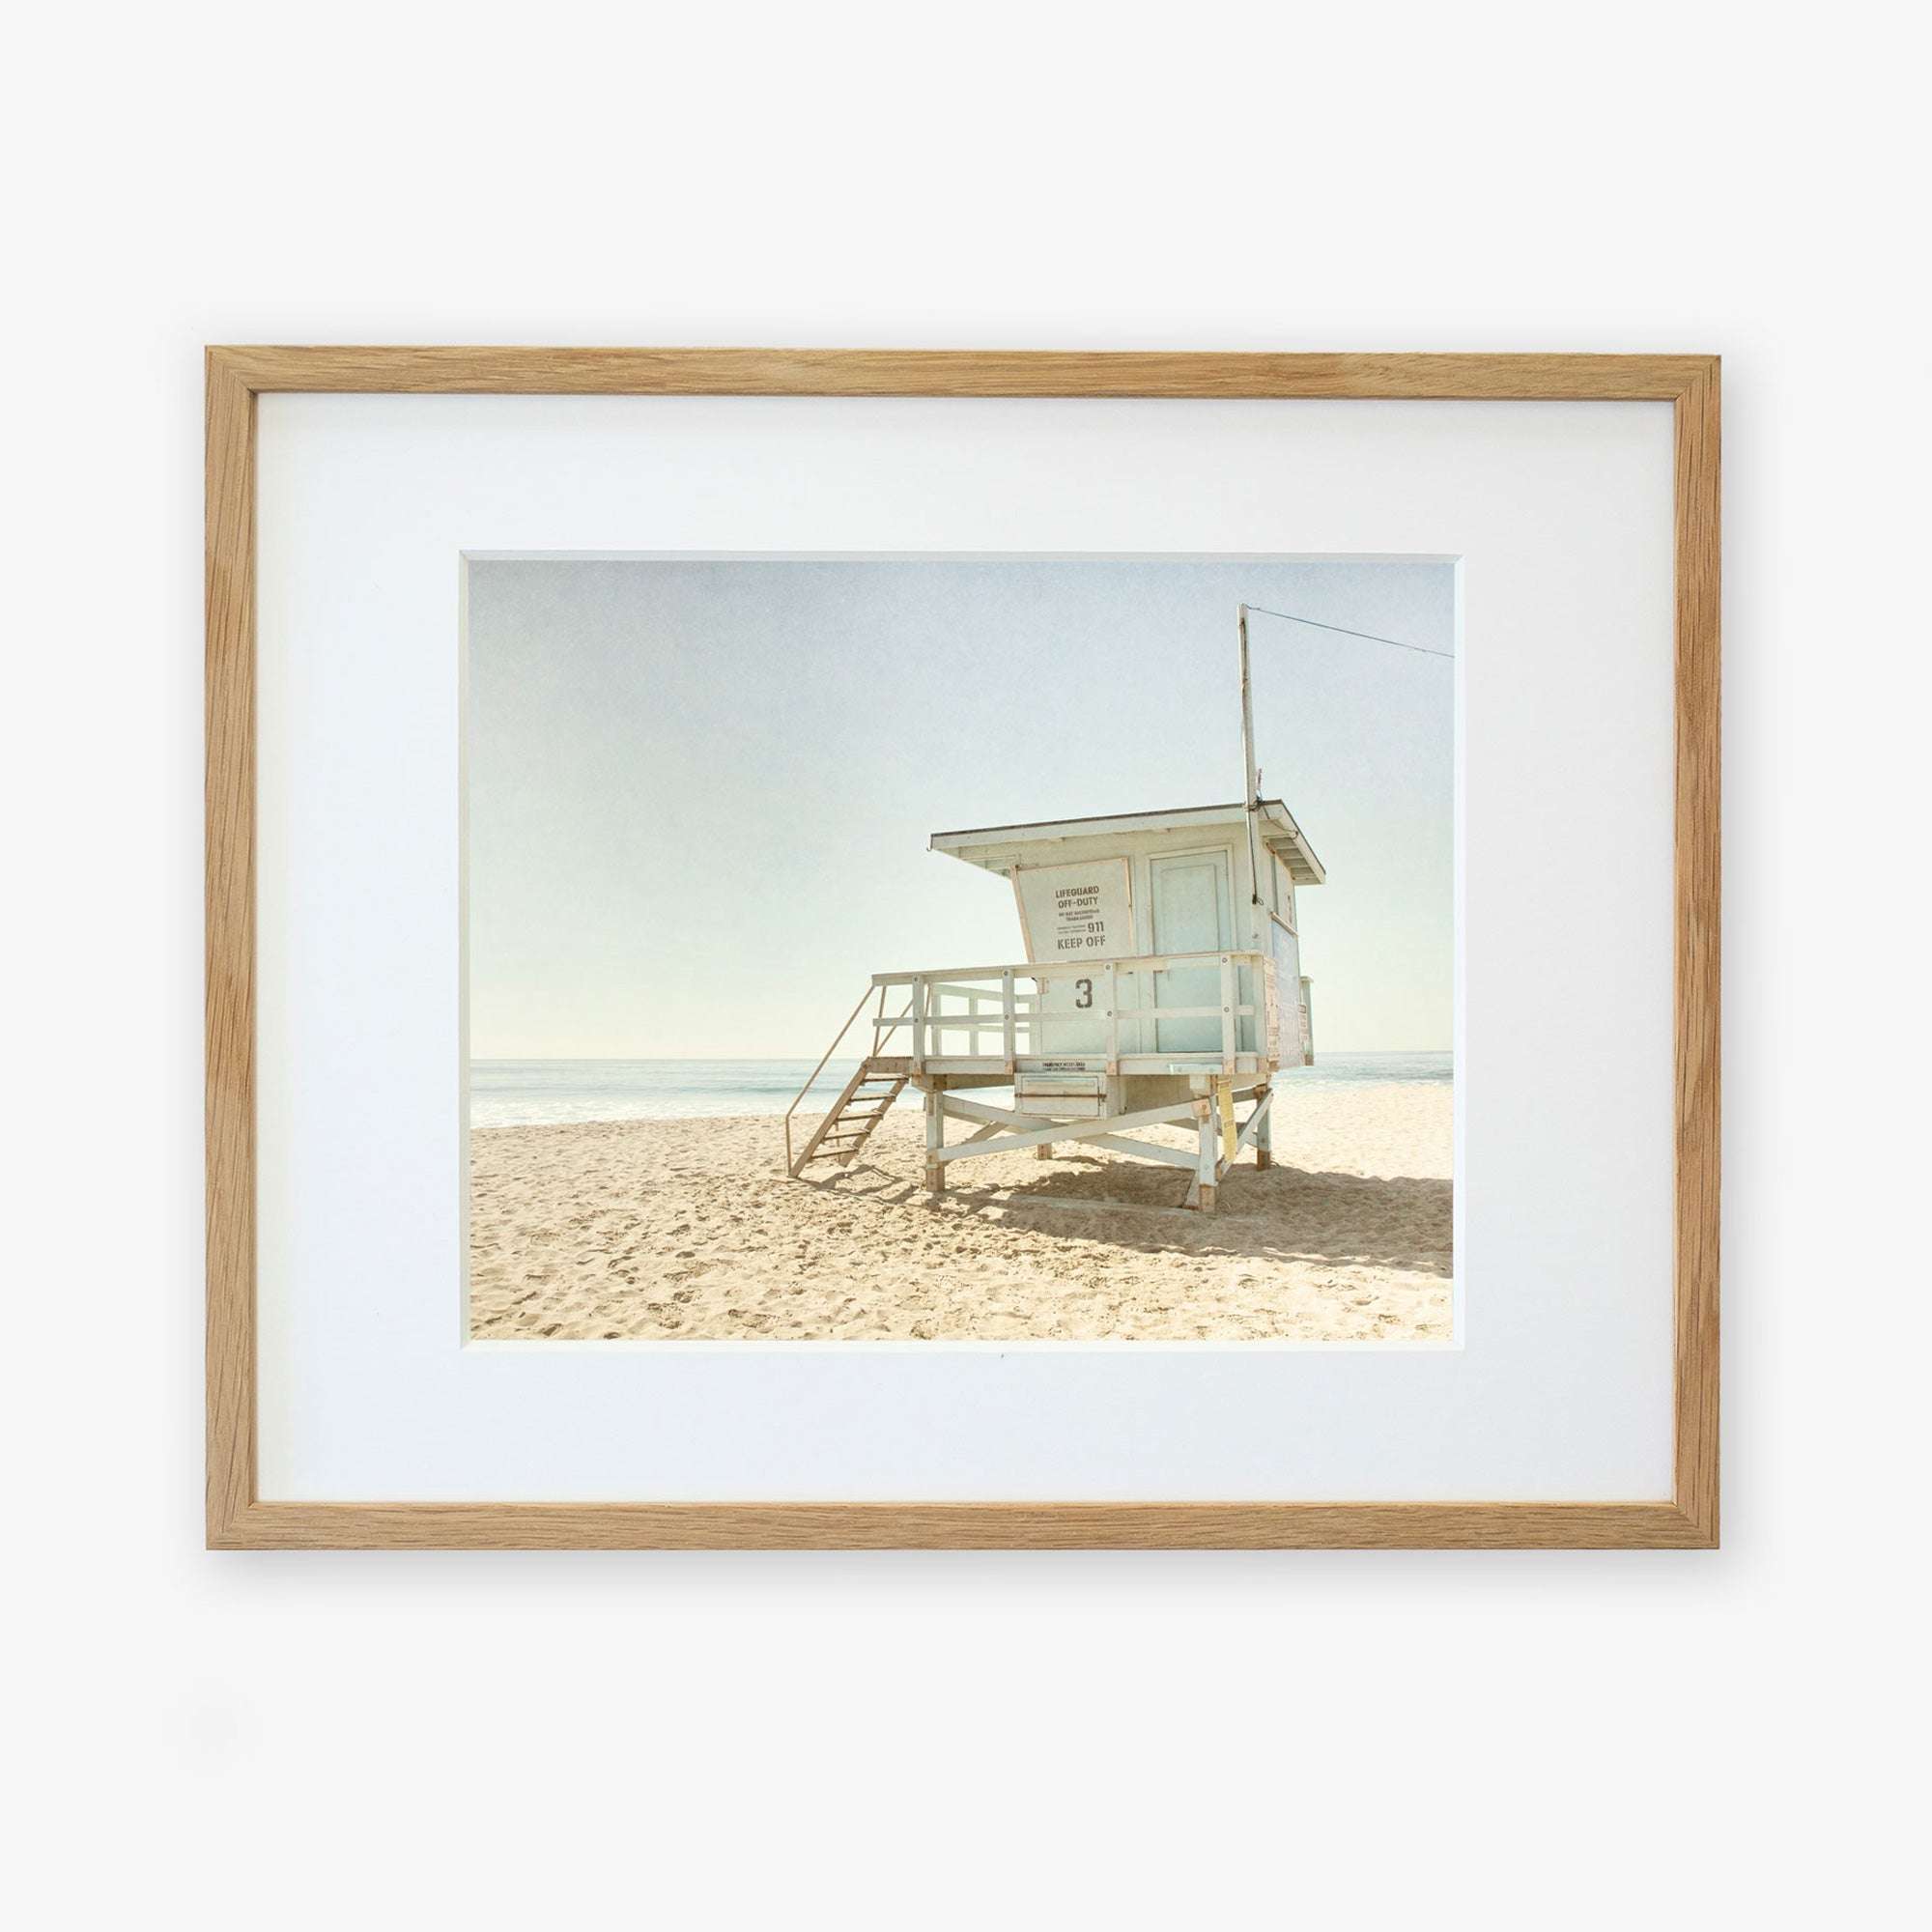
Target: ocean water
[548,1093]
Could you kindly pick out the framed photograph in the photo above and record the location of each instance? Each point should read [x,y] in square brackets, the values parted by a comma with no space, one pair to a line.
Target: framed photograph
[864,948]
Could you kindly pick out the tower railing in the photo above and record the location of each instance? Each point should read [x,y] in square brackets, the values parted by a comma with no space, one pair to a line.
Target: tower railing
[1100,1012]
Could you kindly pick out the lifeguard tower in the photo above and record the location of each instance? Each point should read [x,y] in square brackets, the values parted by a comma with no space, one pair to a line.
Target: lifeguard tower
[1162,985]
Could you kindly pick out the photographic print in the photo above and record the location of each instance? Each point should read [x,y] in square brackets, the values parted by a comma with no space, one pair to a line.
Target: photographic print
[960,950]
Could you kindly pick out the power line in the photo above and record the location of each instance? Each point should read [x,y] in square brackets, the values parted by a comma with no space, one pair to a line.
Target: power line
[1425,650]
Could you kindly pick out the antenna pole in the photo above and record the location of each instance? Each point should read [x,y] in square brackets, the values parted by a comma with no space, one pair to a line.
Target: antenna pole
[1251,782]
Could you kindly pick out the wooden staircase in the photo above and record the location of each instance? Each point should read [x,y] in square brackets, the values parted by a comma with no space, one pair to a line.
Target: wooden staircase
[857,1112]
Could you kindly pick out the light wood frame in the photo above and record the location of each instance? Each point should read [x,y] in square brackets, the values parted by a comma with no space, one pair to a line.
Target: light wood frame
[238,1519]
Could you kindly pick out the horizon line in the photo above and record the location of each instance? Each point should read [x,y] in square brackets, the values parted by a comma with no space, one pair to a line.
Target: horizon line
[753,1059]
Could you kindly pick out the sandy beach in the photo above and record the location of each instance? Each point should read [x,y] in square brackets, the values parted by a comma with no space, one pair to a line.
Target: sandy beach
[691,1230]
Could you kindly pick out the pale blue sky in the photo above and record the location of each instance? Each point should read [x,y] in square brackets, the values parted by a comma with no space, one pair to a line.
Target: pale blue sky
[699,792]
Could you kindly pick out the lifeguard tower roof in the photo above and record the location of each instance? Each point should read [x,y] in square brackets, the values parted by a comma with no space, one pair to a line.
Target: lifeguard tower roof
[991,845]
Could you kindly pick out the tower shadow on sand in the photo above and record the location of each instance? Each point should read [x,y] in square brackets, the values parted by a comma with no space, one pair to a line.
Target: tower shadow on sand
[1277,1215]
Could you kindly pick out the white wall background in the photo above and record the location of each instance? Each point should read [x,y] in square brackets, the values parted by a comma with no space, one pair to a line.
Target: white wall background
[967,1740]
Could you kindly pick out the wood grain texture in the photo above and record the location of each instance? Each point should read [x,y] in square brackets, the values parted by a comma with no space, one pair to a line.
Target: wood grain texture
[934,372]
[1697,1003]
[237,1520]
[228,908]
[1047,1525]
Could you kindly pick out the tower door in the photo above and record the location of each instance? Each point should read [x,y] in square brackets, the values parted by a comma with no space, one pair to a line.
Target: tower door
[1190,915]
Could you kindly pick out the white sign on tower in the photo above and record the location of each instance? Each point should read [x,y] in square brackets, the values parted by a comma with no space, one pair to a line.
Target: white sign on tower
[1070,911]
